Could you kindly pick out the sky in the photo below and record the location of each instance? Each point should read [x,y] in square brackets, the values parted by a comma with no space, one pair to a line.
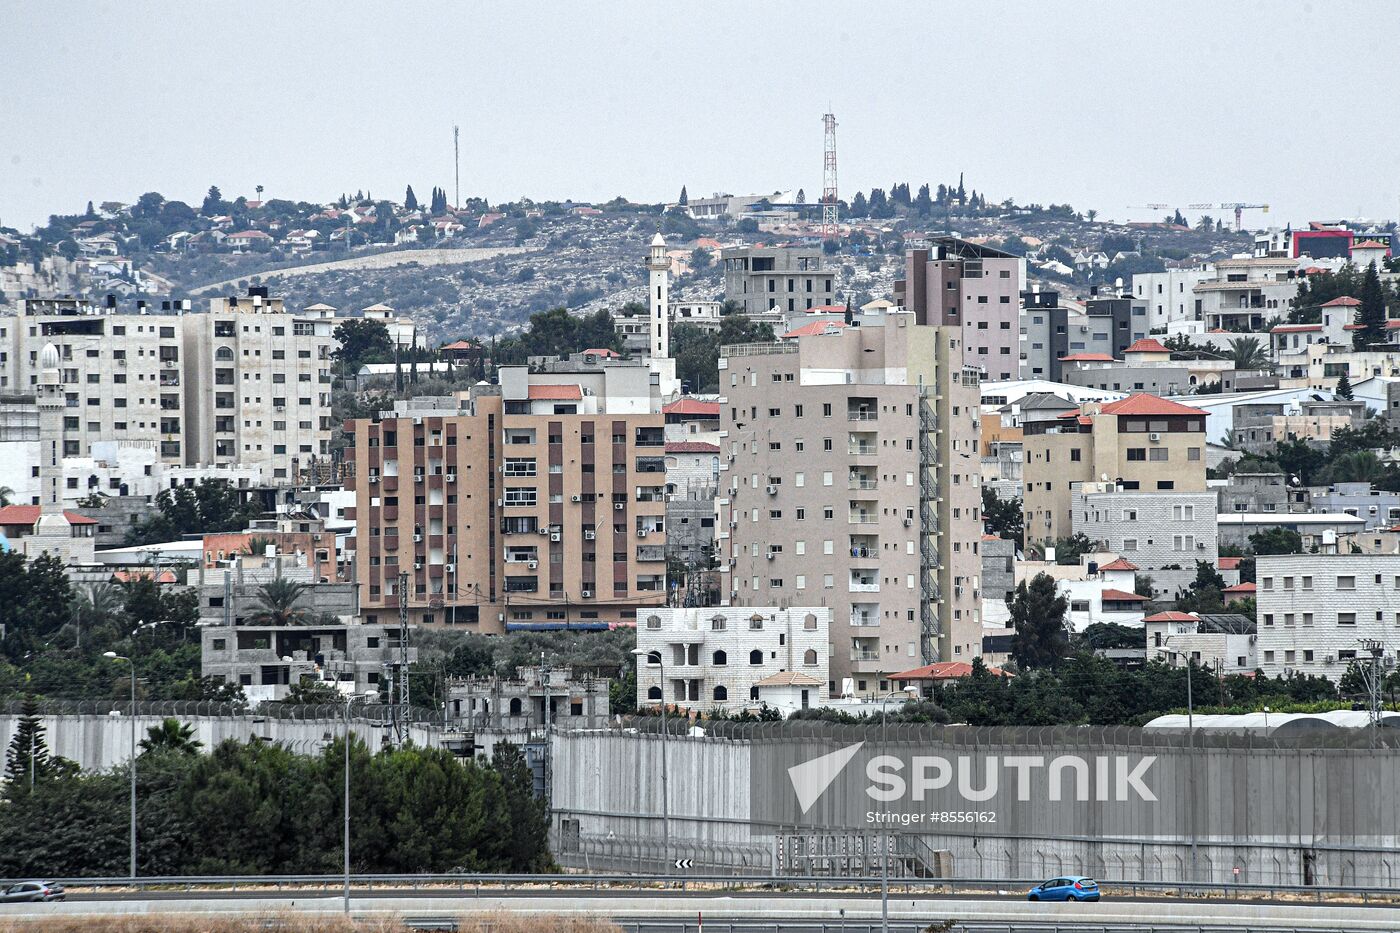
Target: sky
[1100,105]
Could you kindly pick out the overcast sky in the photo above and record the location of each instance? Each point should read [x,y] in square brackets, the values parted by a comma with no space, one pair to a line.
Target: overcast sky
[1101,105]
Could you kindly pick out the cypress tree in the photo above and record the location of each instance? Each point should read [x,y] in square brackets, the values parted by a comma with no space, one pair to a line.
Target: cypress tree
[28,755]
[1344,387]
[684,198]
[1371,314]
[410,201]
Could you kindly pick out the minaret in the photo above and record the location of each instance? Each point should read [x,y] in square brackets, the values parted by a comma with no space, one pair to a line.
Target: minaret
[659,299]
[49,399]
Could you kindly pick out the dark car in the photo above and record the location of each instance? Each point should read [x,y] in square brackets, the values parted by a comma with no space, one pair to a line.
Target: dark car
[29,891]
[1065,888]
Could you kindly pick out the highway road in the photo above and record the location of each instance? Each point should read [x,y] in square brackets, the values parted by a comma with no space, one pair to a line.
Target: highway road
[673,912]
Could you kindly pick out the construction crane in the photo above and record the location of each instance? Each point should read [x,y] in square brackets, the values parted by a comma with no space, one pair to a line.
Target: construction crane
[1239,207]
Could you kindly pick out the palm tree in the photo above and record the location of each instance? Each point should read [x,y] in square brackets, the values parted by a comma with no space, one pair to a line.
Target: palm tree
[171,735]
[5,493]
[258,544]
[95,606]
[1246,353]
[278,599]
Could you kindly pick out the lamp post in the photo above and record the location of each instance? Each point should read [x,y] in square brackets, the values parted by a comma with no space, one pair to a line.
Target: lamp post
[643,655]
[112,655]
[1191,754]
[349,701]
[885,847]
[1190,703]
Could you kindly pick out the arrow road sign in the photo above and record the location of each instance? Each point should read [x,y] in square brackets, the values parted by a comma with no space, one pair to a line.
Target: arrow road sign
[684,862]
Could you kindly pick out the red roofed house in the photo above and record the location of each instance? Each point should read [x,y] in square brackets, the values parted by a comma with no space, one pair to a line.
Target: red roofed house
[1142,444]
[942,672]
[25,529]
[1367,252]
[247,240]
[1146,350]
[1220,643]
[692,419]
[815,329]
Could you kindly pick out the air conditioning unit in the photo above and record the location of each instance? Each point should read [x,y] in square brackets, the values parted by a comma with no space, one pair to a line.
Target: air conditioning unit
[534,565]
[576,498]
[772,554]
[555,536]
[590,535]
[452,477]
[418,536]
[908,523]
[772,490]
[451,568]
[957,589]
[1200,545]
[1154,437]
[373,479]
[417,565]
[279,407]
[619,506]
[1329,659]
[641,532]
[587,594]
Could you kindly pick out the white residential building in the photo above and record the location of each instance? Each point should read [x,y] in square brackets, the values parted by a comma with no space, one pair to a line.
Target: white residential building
[1173,637]
[715,657]
[1315,611]
[1164,533]
[1169,295]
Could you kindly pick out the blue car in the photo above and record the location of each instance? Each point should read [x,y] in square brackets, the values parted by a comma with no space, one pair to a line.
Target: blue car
[1065,888]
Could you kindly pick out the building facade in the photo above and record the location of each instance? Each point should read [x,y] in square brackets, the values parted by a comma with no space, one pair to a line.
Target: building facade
[761,278]
[850,479]
[538,503]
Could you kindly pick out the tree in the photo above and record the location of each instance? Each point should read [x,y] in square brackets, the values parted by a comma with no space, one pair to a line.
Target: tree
[684,199]
[859,207]
[1276,541]
[410,200]
[923,204]
[95,607]
[171,735]
[1001,517]
[700,258]
[1344,390]
[214,203]
[362,340]
[1069,550]
[1371,314]
[277,600]
[526,844]
[27,759]
[6,493]
[1038,616]
[1246,353]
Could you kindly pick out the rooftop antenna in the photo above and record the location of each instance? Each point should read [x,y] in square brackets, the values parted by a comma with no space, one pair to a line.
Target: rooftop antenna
[830,207]
[456,169]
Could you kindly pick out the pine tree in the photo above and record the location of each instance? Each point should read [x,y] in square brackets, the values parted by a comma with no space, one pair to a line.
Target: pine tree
[684,198]
[410,201]
[1038,615]
[1344,387]
[27,759]
[962,192]
[1371,314]
[90,212]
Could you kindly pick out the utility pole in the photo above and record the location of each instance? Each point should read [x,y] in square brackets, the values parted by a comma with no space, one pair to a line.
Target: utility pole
[1373,684]
[456,169]
[544,684]
[830,201]
[400,710]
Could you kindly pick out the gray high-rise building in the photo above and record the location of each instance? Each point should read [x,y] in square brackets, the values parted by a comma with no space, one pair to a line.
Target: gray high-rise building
[761,278]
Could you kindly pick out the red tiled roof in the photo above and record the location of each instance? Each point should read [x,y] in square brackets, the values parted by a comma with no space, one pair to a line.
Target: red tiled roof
[1171,616]
[1122,597]
[1369,244]
[29,514]
[1240,588]
[249,235]
[1316,270]
[814,329]
[1119,564]
[691,447]
[1142,403]
[827,309]
[1346,301]
[126,576]
[944,670]
[692,406]
[1294,328]
[603,351]
[1087,358]
[459,345]
[546,393]
[1147,345]
[1228,563]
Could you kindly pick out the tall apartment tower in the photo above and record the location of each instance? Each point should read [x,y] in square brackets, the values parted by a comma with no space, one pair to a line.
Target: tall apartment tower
[850,479]
[659,299]
[954,283]
[535,504]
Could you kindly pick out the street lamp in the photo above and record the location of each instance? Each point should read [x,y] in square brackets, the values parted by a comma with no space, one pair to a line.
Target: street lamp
[349,701]
[885,853]
[112,655]
[1191,751]
[1190,703]
[641,654]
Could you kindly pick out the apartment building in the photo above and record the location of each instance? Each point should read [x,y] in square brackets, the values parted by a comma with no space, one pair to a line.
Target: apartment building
[1141,443]
[1258,426]
[1318,612]
[1246,293]
[1261,492]
[1163,533]
[538,503]
[1168,297]
[761,278]
[954,283]
[245,383]
[850,479]
[716,657]
[1221,643]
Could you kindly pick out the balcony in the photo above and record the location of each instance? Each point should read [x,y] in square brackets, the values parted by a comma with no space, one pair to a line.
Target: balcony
[650,437]
[651,464]
[862,445]
[864,654]
[650,553]
[862,482]
[863,518]
[865,617]
[866,583]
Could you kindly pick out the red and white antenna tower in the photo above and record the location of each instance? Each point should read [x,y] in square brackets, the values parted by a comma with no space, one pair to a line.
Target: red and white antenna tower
[830,207]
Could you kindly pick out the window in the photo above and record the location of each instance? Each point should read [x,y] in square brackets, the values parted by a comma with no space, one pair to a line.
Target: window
[810,622]
[1137,453]
[1346,583]
[653,622]
[755,656]
[721,693]
[809,657]
[720,659]
[719,624]
[1346,618]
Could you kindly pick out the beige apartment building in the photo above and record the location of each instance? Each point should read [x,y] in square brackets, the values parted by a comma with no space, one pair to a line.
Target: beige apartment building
[849,479]
[538,503]
[1141,443]
[245,383]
